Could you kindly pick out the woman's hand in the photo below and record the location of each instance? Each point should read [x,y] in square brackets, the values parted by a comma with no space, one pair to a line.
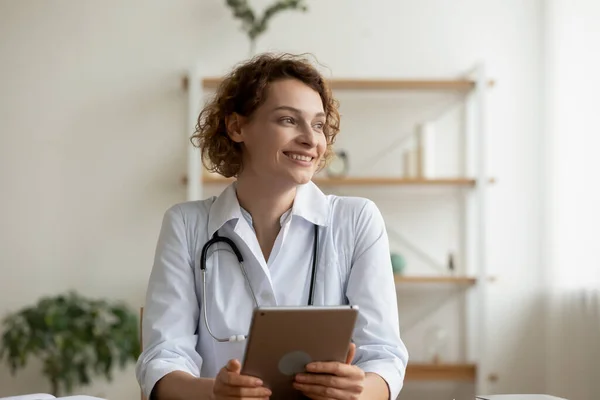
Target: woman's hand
[332,380]
[230,384]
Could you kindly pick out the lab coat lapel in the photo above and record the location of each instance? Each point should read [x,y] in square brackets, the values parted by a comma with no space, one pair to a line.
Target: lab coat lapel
[312,205]
[322,266]
[227,207]
[245,232]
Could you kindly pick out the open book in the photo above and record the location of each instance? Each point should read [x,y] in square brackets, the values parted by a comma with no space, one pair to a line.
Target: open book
[46,396]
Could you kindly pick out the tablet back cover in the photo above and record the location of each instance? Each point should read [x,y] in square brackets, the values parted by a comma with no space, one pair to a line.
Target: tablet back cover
[283,340]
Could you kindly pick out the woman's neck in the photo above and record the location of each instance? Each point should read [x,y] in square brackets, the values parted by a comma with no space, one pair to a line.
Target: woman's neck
[266,203]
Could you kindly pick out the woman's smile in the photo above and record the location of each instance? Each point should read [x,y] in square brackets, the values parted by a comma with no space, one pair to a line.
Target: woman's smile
[300,159]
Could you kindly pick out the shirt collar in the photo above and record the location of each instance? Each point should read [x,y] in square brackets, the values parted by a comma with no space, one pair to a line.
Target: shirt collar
[310,203]
[225,208]
[282,220]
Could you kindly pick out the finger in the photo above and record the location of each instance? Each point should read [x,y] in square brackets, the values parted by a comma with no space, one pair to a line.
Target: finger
[315,397]
[318,391]
[237,380]
[244,392]
[351,385]
[228,378]
[231,375]
[233,366]
[220,397]
[351,353]
[335,368]
[240,398]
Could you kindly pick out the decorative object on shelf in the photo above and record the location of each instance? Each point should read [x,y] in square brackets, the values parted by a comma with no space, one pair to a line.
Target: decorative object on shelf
[425,150]
[436,343]
[73,336]
[409,163]
[255,26]
[414,249]
[451,264]
[339,165]
[398,263]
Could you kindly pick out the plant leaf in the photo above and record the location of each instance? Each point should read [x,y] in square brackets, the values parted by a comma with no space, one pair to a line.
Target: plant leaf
[73,336]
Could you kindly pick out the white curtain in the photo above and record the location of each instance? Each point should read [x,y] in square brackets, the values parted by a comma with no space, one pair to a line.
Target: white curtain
[571,93]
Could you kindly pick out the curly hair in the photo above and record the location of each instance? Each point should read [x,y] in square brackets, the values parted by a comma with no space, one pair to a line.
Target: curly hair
[242,91]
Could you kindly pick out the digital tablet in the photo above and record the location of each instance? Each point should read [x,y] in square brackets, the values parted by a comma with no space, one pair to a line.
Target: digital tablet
[282,340]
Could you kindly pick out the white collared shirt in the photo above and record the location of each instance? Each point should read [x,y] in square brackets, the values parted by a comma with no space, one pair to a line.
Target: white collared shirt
[354,267]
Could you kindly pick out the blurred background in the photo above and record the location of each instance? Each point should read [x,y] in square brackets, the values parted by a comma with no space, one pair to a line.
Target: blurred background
[472,124]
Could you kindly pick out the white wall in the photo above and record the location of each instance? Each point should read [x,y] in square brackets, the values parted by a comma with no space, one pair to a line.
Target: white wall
[572,85]
[572,197]
[92,138]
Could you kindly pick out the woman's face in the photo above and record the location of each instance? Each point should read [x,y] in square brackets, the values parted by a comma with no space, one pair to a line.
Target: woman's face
[283,141]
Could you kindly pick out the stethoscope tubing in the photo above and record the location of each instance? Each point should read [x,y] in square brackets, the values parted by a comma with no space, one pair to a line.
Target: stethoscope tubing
[215,239]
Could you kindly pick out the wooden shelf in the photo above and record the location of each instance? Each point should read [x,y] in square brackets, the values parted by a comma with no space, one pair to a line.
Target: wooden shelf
[385,181]
[441,372]
[455,280]
[367,181]
[462,85]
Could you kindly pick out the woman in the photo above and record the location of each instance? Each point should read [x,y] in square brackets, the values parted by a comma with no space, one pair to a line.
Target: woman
[271,125]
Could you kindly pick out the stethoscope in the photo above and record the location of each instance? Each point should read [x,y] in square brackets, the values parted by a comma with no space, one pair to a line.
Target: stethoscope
[217,239]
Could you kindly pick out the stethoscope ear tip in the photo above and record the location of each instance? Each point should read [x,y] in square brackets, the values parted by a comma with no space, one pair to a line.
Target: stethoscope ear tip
[237,338]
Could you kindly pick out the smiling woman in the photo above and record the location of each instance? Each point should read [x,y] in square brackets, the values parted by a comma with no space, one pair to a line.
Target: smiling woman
[268,94]
[284,139]
[271,124]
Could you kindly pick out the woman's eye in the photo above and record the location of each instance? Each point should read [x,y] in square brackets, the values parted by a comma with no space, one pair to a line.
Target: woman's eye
[319,126]
[287,120]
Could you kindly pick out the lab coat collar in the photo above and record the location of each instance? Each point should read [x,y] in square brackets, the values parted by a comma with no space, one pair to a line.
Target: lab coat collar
[225,208]
[310,203]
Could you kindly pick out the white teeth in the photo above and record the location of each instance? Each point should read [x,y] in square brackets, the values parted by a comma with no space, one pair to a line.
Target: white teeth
[299,157]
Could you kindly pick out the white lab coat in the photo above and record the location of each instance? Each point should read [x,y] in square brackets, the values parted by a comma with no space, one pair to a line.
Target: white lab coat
[354,267]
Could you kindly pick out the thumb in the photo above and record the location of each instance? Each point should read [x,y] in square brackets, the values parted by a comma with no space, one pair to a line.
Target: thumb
[351,352]
[233,366]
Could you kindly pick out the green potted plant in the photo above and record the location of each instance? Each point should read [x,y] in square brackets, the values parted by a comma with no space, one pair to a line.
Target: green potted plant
[75,338]
[252,24]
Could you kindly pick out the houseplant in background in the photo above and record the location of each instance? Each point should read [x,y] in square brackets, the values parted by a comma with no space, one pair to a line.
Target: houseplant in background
[74,337]
[252,24]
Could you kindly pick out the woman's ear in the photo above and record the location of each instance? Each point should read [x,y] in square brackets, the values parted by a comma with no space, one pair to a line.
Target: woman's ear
[233,123]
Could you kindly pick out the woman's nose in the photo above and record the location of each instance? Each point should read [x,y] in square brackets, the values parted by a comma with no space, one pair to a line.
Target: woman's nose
[308,136]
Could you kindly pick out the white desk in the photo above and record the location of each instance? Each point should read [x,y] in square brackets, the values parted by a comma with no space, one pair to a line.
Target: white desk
[519,397]
[46,396]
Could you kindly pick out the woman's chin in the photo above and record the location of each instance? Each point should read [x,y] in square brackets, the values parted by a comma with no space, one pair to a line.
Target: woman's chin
[301,178]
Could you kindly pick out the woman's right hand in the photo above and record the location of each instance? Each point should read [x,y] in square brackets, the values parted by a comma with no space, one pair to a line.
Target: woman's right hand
[230,384]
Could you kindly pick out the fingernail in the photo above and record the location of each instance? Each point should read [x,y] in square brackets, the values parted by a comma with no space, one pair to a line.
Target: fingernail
[258,382]
[300,378]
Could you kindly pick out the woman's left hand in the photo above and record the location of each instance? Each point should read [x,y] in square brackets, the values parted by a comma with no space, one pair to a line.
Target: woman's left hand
[332,380]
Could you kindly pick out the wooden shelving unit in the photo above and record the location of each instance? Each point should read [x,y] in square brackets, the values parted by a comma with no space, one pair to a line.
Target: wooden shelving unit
[441,372]
[450,280]
[365,181]
[461,85]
